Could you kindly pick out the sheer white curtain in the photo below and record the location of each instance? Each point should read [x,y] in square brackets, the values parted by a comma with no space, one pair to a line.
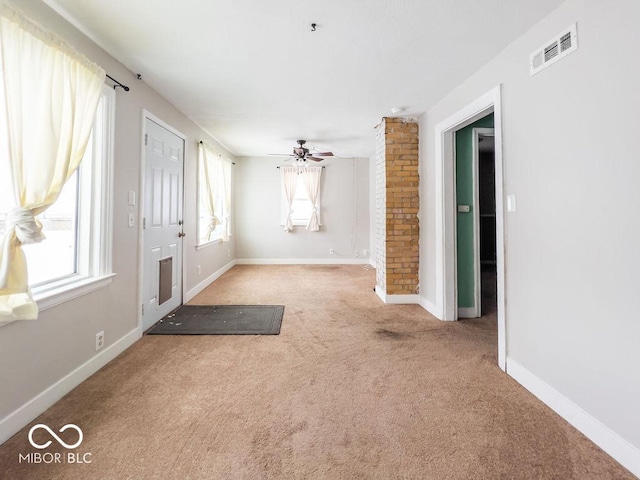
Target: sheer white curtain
[226,185]
[207,195]
[51,95]
[311,177]
[289,177]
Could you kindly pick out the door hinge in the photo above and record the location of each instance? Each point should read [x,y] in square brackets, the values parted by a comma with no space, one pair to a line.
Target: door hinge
[143,309]
[146,138]
[144,223]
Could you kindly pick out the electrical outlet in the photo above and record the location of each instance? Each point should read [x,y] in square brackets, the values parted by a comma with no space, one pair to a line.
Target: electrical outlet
[132,220]
[99,340]
[357,253]
[199,270]
[331,251]
[365,252]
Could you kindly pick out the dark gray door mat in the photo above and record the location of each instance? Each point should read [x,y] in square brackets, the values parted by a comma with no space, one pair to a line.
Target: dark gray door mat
[221,320]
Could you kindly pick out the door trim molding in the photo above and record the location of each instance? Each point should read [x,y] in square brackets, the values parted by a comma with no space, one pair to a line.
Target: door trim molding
[445,209]
[147,115]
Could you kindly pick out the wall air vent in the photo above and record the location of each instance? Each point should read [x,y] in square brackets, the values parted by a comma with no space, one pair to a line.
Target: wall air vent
[555,49]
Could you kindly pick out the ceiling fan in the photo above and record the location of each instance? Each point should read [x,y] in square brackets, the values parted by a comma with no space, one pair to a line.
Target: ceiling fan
[302,154]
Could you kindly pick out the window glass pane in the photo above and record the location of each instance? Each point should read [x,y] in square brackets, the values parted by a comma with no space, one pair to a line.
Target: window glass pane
[204,219]
[301,204]
[55,257]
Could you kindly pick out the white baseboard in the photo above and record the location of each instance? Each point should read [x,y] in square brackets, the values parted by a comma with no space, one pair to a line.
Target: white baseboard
[17,420]
[397,299]
[208,281]
[403,299]
[302,261]
[609,441]
[381,293]
[467,312]
[431,307]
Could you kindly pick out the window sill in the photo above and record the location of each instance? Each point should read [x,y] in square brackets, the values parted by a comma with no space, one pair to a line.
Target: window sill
[208,244]
[298,223]
[53,295]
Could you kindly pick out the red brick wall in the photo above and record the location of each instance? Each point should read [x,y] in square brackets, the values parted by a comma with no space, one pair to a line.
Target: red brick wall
[398,204]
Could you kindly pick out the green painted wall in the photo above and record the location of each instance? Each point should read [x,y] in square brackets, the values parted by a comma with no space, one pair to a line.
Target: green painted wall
[464,196]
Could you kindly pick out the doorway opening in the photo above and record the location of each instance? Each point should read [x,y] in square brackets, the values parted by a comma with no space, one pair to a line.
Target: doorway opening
[447,291]
[475,194]
[487,207]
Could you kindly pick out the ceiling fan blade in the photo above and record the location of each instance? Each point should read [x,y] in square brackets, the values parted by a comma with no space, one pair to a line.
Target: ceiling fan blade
[315,159]
[323,154]
[280,154]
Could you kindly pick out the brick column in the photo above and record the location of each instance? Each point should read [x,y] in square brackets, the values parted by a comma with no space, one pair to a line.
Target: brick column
[397,204]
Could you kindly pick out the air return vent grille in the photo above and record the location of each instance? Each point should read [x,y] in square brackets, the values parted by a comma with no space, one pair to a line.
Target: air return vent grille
[555,49]
[550,52]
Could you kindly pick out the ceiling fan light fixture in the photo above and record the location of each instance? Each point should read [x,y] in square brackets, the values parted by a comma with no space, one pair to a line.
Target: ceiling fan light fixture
[301,154]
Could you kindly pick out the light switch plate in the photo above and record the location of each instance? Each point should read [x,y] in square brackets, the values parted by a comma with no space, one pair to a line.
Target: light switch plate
[464,208]
[132,198]
[511,204]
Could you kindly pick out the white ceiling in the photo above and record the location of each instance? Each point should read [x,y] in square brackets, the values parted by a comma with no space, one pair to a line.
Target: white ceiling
[253,75]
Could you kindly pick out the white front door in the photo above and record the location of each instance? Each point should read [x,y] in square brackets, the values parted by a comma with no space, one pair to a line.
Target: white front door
[162,223]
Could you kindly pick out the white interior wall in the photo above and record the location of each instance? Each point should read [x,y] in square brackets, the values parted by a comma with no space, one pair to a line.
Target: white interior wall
[572,257]
[35,355]
[344,214]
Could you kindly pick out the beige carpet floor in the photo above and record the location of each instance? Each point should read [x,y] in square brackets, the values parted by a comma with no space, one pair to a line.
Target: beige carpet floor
[350,389]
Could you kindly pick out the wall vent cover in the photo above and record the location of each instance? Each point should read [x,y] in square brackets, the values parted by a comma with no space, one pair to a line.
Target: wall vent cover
[553,50]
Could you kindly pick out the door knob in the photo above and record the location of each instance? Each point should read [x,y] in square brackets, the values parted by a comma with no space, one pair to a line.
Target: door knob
[182,234]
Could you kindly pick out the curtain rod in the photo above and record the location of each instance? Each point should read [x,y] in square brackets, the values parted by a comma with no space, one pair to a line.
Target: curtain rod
[118,84]
[202,143]
[319,165]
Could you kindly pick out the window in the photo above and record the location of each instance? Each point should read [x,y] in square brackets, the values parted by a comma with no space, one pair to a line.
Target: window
[302,206]
[75,257]
[56,257]
[214,196]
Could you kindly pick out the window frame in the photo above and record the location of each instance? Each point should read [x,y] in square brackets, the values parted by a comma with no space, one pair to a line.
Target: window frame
[95,209]
[218,236]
